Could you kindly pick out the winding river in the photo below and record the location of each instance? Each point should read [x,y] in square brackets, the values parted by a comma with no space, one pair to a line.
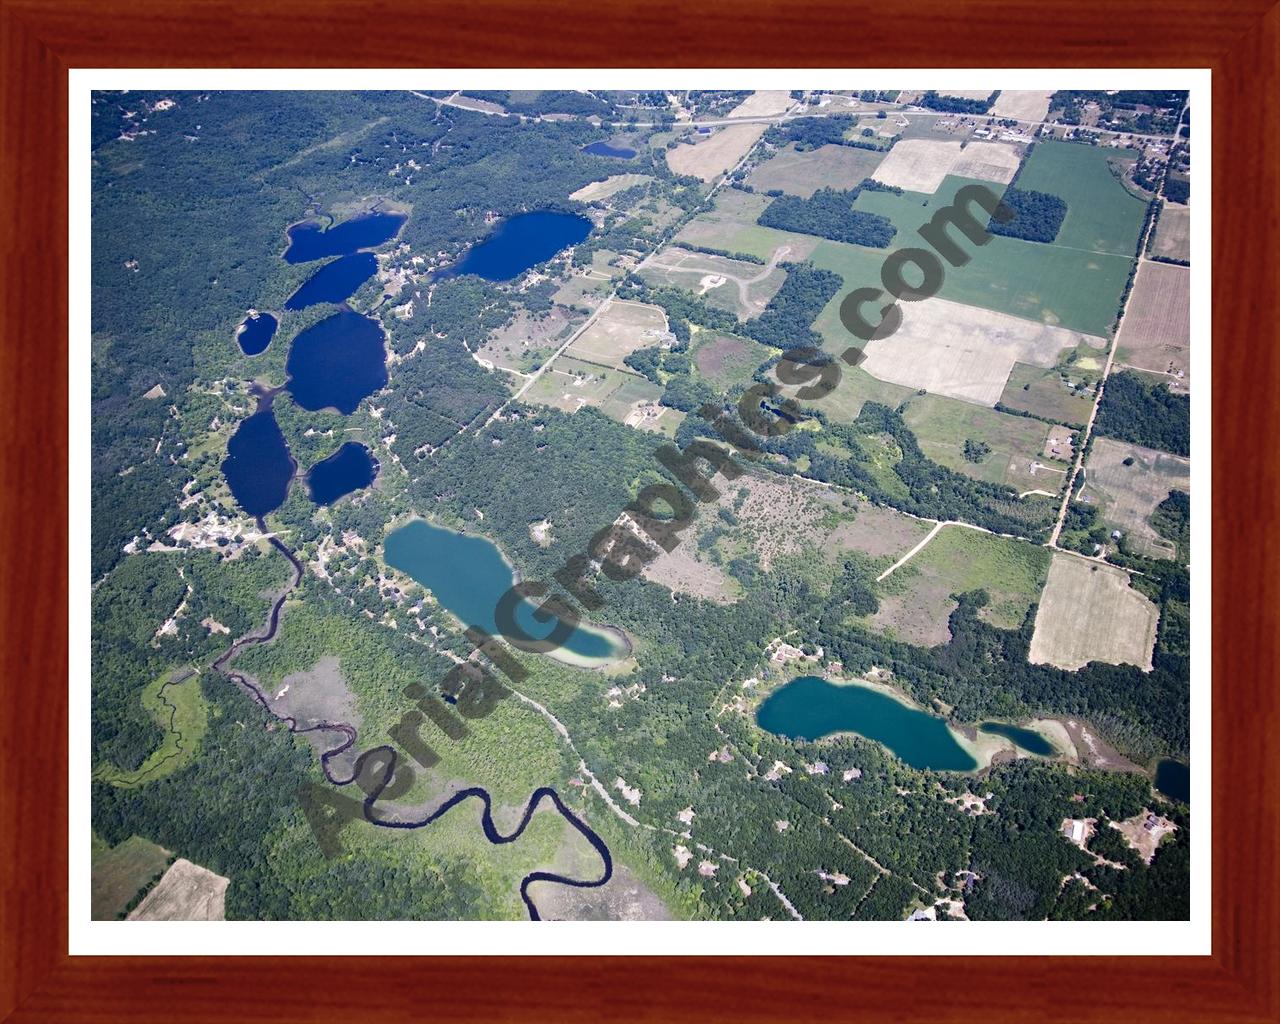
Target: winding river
[386,756]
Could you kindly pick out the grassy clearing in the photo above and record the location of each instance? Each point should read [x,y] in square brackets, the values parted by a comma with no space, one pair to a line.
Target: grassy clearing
[179,709]
[942,425]
[726,361]
[120,872]
[803,173]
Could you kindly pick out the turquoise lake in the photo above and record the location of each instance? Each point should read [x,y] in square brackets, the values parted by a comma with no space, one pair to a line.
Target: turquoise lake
[468,575]
[809,708]
[1028,739]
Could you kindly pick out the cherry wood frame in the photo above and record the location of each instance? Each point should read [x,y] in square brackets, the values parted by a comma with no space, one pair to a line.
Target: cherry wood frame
[41,39]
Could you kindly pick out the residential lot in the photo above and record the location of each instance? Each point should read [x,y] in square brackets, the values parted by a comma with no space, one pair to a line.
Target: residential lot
[1088,612]
[1126,495]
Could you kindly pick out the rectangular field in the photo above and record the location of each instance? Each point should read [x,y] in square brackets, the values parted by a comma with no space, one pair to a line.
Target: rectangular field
[1155,334]
[608,187]
[726,361]
[714,154]
[763,103]
[965,352]
[921,165]
[1127,495]
[1088,612]
[1021,104]
[1050,284]
[1102,216]
[1173,233]
[803,173]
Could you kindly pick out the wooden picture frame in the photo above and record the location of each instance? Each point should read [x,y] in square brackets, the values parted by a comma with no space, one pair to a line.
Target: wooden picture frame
[41,39]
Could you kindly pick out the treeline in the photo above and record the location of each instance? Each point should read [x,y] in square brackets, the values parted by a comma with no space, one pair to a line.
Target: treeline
[546,101]
[1146,413]
[1037,216]
[814,132]
[829,213]
[956,104]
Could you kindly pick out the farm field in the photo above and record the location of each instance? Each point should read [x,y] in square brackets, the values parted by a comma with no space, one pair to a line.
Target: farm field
[716,153]
[1042,392]
[1127,495]
[1044,283]
[1173,233]
[726,361]
[1089,612]
[762,103]
[856,388]
[731,225]
[743,289]
[916,602]
[569,384]
[942,425]
[187,892]
[1101,215]
[620,329]
[921,165]
[608,187]
[803,173]
[1156,332]
[1022,104]
[964,352]
[120,872]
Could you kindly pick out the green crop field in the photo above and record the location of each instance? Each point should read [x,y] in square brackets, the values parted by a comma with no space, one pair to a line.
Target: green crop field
[120,872]
[1102,216]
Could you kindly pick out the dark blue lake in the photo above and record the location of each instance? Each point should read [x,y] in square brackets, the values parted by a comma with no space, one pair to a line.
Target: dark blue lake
[337,362]
[258,466]
[604,149]
[334,282]
[348,469]
[1173,779]
[468,575]
[310,241]
[521,242]
[255,334]
[1028,739]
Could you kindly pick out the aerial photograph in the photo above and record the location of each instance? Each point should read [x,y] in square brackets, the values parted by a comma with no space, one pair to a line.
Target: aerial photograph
[669,505]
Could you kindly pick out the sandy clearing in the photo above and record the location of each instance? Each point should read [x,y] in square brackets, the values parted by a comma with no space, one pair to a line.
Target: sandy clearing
[609,187]
[965,352]
[1021,104]
[716,153]
[187,892]
[763,103]
[1088,612]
